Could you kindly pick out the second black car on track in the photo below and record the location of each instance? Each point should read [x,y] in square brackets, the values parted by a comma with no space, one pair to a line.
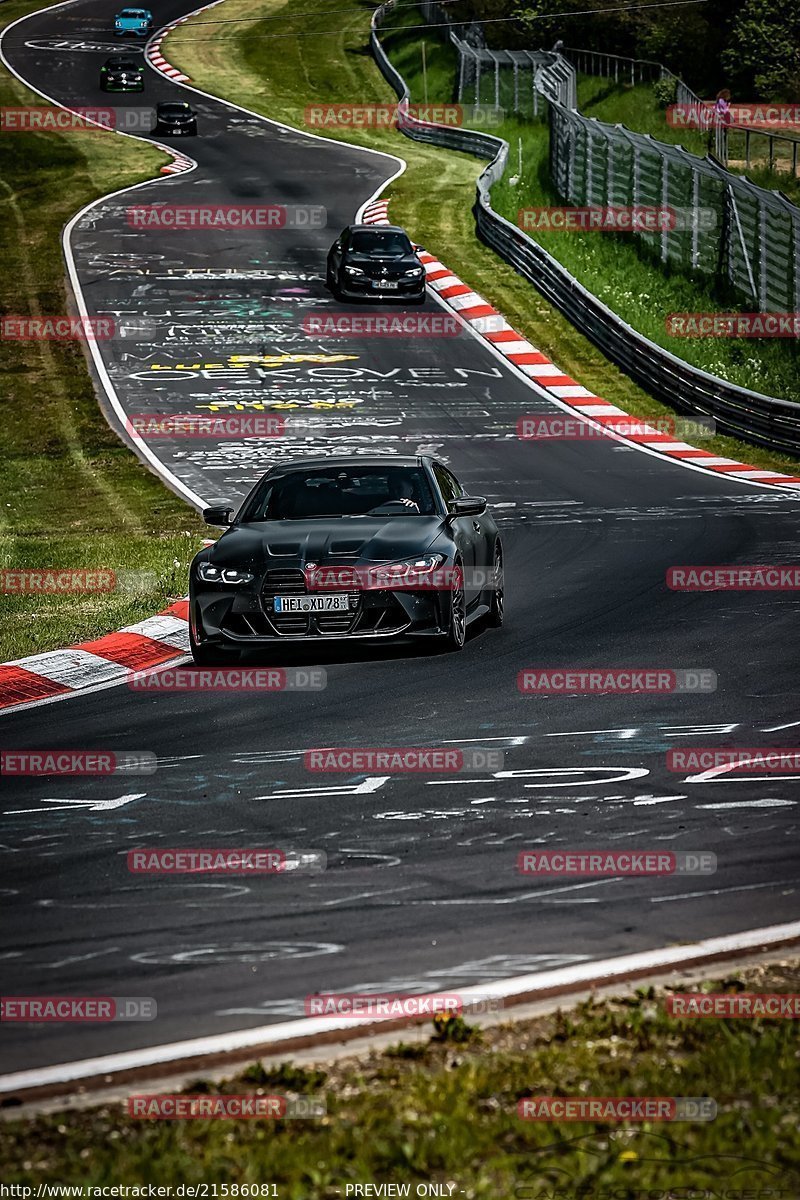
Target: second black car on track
[175,117]
[328,549]
[375,261]
[121,73]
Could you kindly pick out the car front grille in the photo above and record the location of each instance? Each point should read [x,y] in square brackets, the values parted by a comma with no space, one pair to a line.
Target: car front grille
[289,581]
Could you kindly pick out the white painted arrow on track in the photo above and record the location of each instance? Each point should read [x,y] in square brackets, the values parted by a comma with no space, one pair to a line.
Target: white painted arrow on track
[371,784]
[90,805]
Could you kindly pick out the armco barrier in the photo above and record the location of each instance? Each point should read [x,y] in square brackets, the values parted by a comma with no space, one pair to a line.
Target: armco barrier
[751,416]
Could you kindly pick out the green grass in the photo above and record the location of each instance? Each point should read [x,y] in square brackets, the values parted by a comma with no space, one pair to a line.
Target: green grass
[278,76]
[635,107]
[73,495]
[445,1111]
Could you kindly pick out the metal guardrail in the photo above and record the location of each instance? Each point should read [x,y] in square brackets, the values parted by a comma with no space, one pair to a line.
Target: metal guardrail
[752,416]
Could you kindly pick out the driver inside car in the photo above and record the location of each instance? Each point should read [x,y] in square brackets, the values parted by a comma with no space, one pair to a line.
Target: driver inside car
[403,488]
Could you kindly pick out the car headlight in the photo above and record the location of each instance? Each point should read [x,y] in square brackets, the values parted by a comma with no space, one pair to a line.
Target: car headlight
[211,574]
[422,572]
[416,271]
[354,270]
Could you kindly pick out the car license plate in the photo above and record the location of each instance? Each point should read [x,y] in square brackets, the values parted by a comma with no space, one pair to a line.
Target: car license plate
[310,604]
[388,284]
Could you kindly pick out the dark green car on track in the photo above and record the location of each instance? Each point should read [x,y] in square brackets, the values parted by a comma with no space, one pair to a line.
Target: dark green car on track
[121,73]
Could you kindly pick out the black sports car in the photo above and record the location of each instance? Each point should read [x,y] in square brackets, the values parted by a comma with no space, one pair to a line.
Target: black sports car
[368,548]
[375,260]
[121,73]
[174,116]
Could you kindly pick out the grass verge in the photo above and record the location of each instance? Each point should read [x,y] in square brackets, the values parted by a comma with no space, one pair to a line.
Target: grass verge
[73,495]
[444,1111]
[272,65]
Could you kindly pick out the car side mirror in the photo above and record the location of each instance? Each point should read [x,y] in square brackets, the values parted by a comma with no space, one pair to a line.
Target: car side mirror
[467,506]
[219,512]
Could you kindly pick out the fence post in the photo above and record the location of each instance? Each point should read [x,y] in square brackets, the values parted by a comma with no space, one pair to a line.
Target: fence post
[573,138]
[477,79]
[742,244]
[589,166]
[664,206]
[516,87]
[695,219]
[496,81]
[636,172]
[461,61]
[762,256]
[610,172]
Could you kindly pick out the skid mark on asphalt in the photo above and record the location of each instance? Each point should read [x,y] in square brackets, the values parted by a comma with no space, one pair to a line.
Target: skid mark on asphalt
[236,952]
[791,884]
[463,974]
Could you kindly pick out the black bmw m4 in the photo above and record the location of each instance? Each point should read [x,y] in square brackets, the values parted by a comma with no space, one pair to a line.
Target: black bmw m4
[377,261]
[334,548]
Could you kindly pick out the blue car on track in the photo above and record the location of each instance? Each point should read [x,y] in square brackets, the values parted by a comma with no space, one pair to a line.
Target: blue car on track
[136,22]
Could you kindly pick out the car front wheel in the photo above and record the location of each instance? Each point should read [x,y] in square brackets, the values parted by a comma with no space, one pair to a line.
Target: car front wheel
[497,601]
[456,634]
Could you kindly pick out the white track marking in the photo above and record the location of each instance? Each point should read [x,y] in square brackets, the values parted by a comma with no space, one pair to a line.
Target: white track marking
[75,805]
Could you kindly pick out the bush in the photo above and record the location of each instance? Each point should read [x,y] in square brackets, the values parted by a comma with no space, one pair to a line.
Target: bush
[666,91]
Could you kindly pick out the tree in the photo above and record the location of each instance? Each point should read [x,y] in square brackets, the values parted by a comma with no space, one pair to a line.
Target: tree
[763,58]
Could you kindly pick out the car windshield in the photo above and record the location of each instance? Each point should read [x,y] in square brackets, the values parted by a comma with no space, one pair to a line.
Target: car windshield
[123,64]
[132,12]
[342,492]
[381,245]
[174,110]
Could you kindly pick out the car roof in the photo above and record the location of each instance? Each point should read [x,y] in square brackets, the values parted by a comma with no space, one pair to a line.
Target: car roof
[377,228]
[173,104]
[348,460]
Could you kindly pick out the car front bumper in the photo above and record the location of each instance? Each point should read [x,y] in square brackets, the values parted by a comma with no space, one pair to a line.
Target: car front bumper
[245,618]
[362,289]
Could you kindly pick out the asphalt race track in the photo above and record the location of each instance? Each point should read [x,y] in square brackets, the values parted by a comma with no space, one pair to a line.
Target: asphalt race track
[421,891]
